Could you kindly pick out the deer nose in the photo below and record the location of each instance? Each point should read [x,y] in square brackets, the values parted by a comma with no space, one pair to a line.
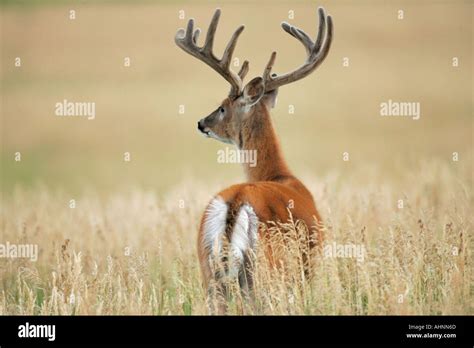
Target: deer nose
[201,126]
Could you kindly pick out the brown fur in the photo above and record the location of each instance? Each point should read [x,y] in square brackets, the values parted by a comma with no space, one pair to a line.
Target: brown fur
[243,120]
[270,184]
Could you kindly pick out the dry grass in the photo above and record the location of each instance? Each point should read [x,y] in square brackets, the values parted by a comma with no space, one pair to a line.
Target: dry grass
[83,251]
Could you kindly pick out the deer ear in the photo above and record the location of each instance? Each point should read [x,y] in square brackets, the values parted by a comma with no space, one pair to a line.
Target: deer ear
[253,92]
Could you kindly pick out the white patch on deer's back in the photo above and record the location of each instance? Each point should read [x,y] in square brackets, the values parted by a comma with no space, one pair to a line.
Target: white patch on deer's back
[244,237]
[214,225]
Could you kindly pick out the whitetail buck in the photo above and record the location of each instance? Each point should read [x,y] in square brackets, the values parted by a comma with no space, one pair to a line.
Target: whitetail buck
[236,217]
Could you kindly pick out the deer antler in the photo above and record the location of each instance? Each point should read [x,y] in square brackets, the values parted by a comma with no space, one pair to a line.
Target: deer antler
[316,53]
[187,40]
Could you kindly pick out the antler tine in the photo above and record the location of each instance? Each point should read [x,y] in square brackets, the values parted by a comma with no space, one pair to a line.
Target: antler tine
[244,70]
[300,35]
[188,36]
[269,67]
[211,32]
[316,52]
[321,29]
[229,50]
[187,40]
[196,35]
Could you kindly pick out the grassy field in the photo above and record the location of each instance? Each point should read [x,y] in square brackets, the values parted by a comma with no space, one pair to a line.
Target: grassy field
[134,252]
[129,245]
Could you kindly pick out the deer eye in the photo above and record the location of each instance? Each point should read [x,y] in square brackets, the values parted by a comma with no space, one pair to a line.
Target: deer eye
[221,110]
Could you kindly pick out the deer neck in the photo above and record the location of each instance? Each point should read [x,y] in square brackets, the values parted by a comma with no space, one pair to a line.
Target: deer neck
[258,136]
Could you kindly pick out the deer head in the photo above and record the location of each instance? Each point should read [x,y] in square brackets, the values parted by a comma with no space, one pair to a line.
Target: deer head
[241,107]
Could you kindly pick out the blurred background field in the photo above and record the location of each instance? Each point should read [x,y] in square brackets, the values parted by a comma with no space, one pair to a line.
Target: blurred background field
[137,204]
[336,109]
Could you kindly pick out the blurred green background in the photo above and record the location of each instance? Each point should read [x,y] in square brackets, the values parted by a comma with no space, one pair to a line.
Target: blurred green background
[336,108]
